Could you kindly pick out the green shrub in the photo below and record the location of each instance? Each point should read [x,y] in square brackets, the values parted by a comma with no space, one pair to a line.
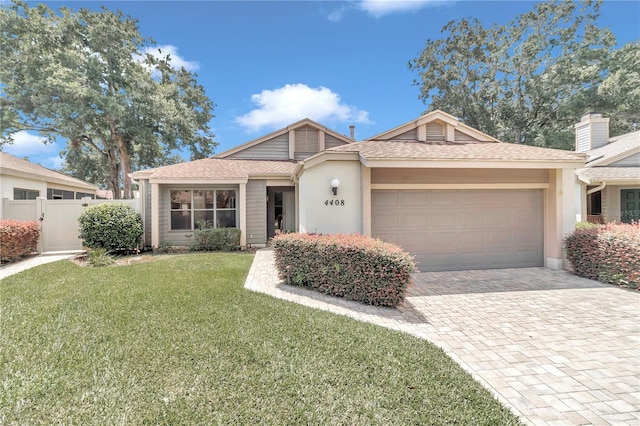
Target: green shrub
[350,266]
[112,226]
[18,238]
[586,225]
[608,253]
[99,257]
[216,239]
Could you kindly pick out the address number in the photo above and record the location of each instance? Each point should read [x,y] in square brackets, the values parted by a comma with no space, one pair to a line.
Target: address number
[334,203]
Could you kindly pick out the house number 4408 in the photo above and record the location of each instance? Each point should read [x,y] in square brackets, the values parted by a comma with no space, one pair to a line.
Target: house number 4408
[334,203]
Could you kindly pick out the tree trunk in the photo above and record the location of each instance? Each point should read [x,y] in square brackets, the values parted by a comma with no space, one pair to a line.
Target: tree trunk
[114,173]
[125,164]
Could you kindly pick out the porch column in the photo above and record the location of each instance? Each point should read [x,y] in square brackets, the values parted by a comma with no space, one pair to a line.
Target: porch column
[365,177]
[155,215]
[243,215]
[560,216]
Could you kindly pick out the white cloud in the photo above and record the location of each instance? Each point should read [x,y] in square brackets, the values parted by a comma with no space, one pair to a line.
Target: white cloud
[177,61]
[293,102]
[55,163]
[336,14]
[378,8]
[25,144]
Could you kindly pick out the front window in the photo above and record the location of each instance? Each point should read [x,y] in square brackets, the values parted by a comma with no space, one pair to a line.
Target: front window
[203,208]
[25,194]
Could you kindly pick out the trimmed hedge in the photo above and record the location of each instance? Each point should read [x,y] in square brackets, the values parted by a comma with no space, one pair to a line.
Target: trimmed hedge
[18,238]
[351,266]
[216,239]
[111,226]
[608,253]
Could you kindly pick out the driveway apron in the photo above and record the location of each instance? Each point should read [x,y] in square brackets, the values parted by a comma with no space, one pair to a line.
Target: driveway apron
[553,347]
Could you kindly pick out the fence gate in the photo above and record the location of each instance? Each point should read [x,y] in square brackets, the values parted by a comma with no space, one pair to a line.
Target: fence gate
[59,227]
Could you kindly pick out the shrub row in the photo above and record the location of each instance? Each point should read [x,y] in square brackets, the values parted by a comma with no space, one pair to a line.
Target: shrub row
[609,253]
[111,226]
[18,238]
[350,266]
[214,239]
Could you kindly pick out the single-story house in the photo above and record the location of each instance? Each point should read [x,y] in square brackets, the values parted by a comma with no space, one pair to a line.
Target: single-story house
[451,196]
[610,181]
[24,180]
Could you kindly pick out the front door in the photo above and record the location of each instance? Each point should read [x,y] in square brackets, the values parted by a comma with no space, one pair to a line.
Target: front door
[629,205]
[281,210]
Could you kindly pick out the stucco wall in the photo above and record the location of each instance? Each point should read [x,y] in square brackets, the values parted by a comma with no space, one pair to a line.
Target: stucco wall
[411,175]
[7,183]
[322,212]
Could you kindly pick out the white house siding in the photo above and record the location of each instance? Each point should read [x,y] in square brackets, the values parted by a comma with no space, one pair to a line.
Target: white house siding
[273,149]
[256,212]
[322,212]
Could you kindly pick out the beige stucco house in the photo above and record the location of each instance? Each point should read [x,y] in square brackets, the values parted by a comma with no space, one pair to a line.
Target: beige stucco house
[453,197]
[609,184]
[24,180]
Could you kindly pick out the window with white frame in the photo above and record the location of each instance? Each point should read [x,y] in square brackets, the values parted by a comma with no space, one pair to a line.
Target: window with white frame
[203,208]
[25,194]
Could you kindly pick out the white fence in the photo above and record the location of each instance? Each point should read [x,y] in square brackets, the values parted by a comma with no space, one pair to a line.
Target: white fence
[59,228]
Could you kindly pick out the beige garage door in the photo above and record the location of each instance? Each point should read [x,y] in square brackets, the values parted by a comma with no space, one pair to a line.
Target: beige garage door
[462,229]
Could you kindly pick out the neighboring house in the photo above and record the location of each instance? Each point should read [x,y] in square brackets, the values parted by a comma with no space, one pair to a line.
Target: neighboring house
[453,197]
[23,180]
[610,180]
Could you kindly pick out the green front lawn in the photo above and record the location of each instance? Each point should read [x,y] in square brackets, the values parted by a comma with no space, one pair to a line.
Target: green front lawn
[179,341]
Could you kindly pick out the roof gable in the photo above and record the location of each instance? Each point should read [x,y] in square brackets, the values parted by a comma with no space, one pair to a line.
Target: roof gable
[618,149]
[274,136]
[10,165]
[453,130]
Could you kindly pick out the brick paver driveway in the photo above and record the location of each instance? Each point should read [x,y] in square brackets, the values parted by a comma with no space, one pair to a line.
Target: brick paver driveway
[555,348]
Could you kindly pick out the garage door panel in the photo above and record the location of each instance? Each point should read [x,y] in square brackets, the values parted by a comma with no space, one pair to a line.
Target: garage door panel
[470,229]
[414,199]
[413,218]
[385,199]
[446,218]
[499,240]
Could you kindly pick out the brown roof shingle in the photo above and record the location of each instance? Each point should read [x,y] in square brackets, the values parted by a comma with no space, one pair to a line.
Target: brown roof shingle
[10,163]
[481,151]
[218,168]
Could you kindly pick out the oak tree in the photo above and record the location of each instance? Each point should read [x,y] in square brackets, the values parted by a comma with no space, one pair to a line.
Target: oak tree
[86,77]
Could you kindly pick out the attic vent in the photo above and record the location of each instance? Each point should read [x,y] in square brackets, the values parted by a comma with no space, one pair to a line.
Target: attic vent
[435,131]
[307,142]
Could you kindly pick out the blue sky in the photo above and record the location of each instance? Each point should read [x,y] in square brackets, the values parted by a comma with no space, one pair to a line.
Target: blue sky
[267,64]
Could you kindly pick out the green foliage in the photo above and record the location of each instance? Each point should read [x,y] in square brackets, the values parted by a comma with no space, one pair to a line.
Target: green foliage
[17,239]
[586,225]
[87,77]
[99,257]
[609,253]
[112,226]
[350,266]
[215,239]
[530,80]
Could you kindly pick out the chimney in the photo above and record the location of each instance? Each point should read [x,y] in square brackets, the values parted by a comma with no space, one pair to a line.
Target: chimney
[352,132]
[591,132]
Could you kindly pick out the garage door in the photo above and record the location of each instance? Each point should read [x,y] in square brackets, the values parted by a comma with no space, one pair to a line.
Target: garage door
[462,229]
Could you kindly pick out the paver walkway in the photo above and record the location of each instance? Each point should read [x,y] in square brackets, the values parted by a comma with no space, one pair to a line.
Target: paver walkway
[555,348]
[13,268]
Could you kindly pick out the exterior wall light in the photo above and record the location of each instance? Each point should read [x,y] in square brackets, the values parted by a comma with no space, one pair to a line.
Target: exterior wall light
[335,183]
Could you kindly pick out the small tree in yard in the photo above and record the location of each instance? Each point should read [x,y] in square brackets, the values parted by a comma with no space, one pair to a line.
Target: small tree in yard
[114,227]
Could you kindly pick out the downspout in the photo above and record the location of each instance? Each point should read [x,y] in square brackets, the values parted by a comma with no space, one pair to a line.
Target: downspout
[597,188]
